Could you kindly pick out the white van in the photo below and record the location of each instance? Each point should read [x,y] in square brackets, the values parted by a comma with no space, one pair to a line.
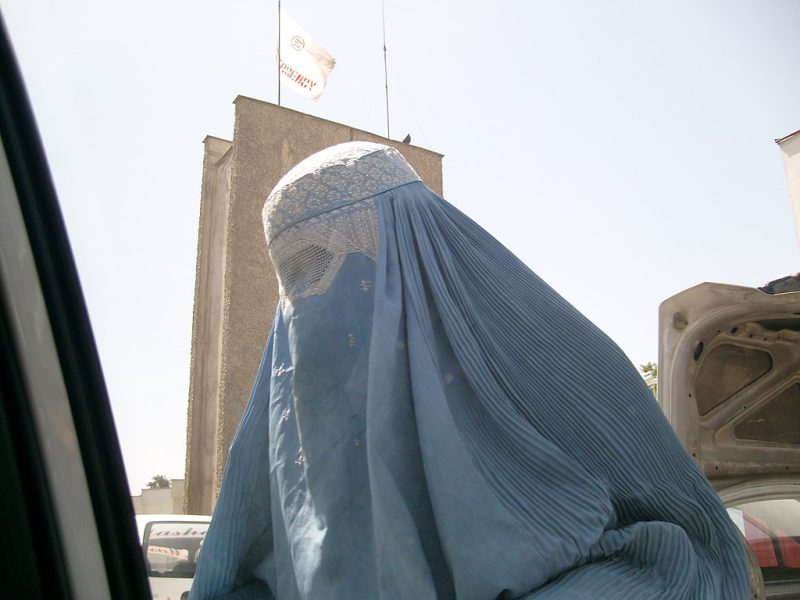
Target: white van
[171,546]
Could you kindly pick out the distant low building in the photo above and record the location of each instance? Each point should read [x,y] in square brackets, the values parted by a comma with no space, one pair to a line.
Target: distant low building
[652,384]
[160,500]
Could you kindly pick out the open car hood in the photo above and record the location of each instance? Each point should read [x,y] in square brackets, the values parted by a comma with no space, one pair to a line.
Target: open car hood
[729,383]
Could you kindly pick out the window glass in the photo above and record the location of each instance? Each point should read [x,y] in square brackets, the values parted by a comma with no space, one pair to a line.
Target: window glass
[172,548]
[772,528]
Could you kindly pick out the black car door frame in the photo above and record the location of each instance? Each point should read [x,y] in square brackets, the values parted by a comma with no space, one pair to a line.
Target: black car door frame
[67,526]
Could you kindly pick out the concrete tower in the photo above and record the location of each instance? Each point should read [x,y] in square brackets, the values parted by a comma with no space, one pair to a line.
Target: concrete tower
[235,287]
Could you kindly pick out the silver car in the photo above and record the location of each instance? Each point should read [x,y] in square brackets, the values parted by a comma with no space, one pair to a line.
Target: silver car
[729,382]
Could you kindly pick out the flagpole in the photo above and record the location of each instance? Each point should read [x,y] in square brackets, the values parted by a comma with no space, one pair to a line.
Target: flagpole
[385,67]
[279,52]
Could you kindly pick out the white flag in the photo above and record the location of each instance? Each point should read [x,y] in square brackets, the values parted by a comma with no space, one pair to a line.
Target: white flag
[304,65]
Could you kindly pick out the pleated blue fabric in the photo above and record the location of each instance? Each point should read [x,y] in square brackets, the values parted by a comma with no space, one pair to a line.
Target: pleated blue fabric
[436,422]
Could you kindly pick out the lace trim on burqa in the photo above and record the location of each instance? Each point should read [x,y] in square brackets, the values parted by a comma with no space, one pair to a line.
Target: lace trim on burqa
[308,255]
[324,209]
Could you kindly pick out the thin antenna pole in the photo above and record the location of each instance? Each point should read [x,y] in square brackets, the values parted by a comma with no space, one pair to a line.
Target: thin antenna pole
[279,52]
[385,67]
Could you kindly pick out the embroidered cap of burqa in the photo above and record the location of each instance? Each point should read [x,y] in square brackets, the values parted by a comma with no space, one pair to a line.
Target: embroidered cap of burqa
[431,420]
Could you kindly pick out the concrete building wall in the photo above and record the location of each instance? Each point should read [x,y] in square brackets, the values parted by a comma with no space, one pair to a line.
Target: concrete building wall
[790,151]
[236,290]
[204,380]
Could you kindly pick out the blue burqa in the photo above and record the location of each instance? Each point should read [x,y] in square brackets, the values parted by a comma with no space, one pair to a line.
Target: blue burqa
[431,420]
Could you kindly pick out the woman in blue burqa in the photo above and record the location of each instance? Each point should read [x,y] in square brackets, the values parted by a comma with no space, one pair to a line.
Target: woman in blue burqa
[431,420]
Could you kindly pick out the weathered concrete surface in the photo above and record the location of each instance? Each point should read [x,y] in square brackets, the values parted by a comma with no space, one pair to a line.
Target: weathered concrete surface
[204,376]
[236,290]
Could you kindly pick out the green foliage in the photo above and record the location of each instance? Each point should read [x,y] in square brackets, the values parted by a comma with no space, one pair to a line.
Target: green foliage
[649,369]
[159,482]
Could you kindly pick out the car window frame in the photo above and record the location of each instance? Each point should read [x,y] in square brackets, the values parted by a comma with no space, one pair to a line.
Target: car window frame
[36,494]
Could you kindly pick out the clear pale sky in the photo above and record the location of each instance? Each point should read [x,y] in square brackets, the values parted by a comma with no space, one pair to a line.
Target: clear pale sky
[623,149]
